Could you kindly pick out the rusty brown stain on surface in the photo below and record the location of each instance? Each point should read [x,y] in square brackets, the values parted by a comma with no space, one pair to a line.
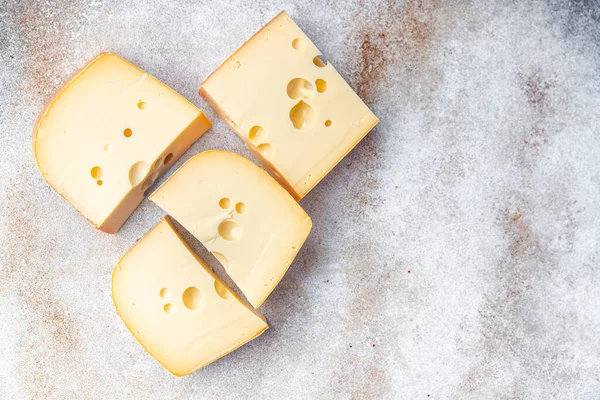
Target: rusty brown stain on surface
[522,242]
[394,34]
[391,40]
[372,61]
[538,90]
[508,333]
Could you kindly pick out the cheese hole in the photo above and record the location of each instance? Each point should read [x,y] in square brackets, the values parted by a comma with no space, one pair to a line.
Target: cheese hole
[256,133]
[99,182]
[298,43]
[302,115]
[127,132]
[142,105]
[299,87]
[137,173]
[191,298]
[230,230]
[222,259]
[319,61]
[222,291]
[158,163]
[168,158]
[168,308]
[164,293]
[108,148]
[96,172]
[266,150]
[328,123]
[225,203]
[321,85]
[240,208]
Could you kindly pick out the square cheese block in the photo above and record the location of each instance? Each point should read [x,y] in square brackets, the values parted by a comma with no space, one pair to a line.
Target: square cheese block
[239,213]
[295,112]
[178,310]
[108,134]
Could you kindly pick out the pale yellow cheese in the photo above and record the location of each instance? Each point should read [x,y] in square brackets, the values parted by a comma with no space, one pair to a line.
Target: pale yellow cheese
[108,134]
[296,114]
[241,214]
[178,310]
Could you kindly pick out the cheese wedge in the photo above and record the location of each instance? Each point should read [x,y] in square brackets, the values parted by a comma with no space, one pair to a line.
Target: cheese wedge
[239,213]
[108,134]
[178,310]
[295,112]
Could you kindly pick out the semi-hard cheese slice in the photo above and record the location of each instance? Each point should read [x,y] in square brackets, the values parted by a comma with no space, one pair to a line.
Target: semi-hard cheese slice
[241,214]
[295,112]
[108,134]
[178,310]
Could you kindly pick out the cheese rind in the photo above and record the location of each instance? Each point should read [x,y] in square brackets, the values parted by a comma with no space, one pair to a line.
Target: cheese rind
[297,115]
[177,309]
[250,223]
[108,134]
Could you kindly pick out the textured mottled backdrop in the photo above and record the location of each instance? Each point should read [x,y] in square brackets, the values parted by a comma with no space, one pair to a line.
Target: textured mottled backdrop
[454,254]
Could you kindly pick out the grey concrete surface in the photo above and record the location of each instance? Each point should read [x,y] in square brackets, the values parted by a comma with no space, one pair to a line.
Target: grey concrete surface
[454,253]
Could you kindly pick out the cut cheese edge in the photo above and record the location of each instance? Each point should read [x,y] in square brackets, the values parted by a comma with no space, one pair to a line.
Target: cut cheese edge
[108,134]
[295,113]
[239,213]
[176,308]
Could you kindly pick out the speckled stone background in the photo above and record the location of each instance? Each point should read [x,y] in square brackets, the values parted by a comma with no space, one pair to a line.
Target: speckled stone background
[454,253]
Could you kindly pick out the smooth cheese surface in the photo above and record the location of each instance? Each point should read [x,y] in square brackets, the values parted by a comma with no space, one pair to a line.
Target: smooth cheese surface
[178,310]
[239,213]
[296,114]
[108,134]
